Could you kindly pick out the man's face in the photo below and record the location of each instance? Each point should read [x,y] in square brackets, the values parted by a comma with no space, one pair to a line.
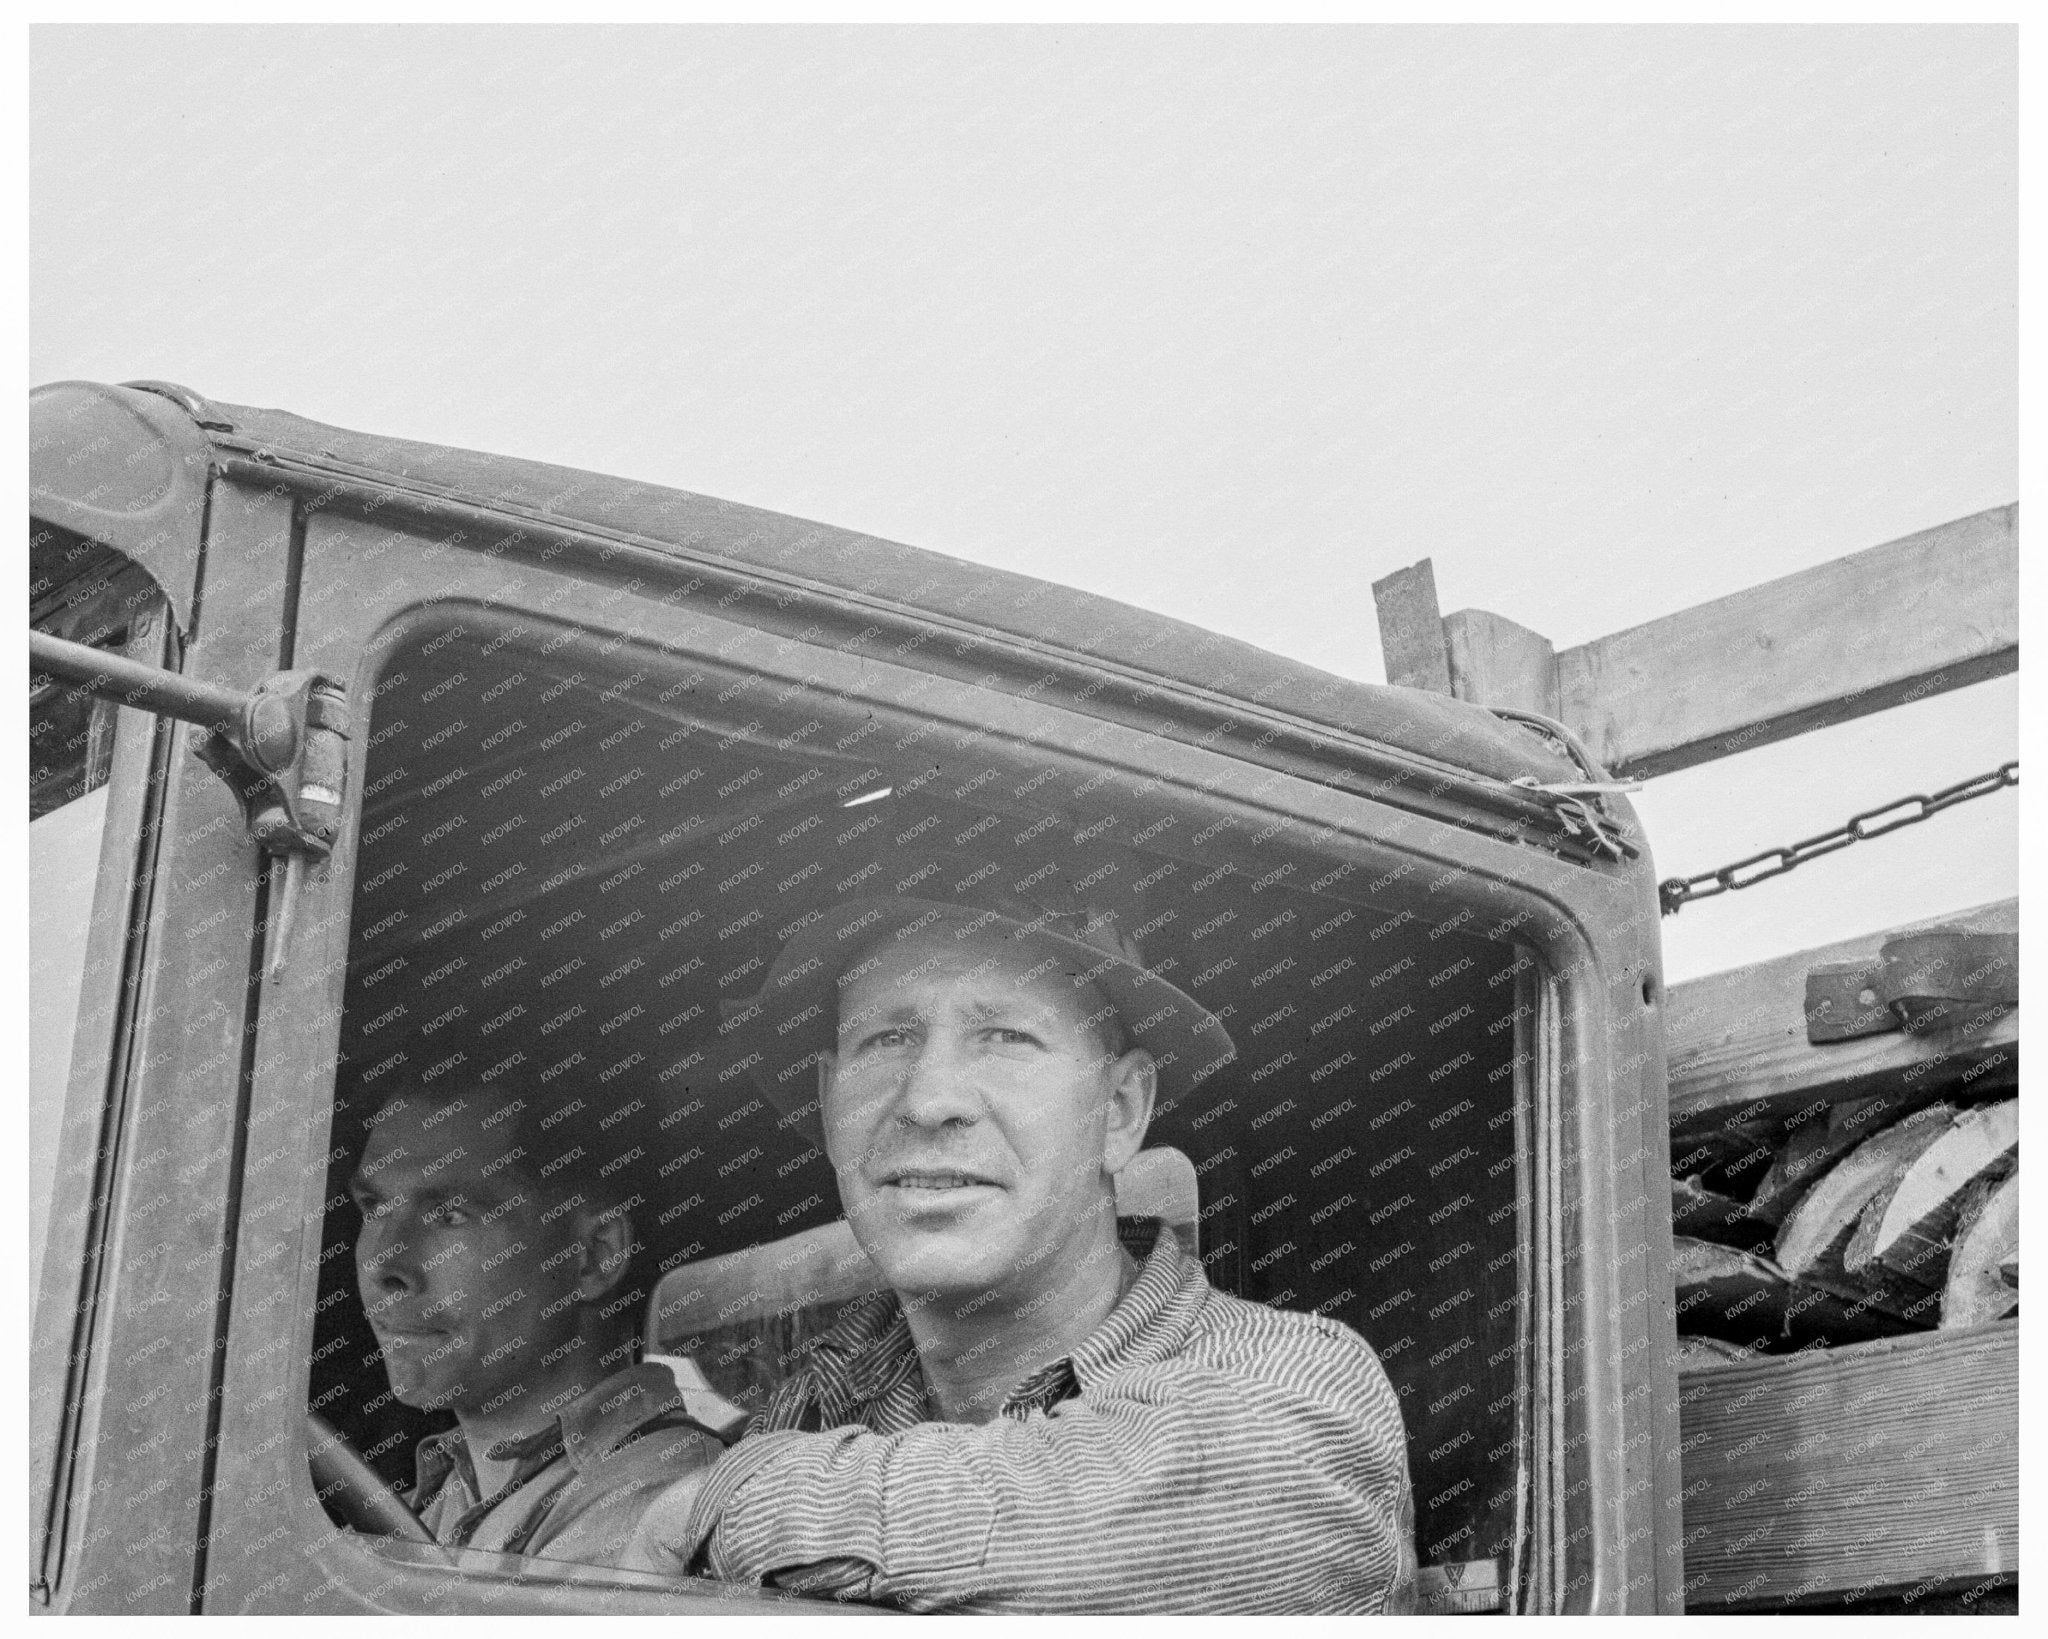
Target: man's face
[457,1272]
[975,1117]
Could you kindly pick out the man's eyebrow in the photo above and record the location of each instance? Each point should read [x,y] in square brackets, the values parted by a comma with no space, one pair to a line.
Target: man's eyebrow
[432,1195]
[1019,1002]
[894,1013]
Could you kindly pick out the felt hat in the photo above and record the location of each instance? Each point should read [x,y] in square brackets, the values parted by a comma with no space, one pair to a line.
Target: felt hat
[778,1036]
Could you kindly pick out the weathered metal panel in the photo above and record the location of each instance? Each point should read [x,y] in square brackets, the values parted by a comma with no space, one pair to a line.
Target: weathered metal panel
[148,1418]
[858,567]
[128,469]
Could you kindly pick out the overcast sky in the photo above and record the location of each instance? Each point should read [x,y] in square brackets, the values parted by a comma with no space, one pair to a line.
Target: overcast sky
[1227,323]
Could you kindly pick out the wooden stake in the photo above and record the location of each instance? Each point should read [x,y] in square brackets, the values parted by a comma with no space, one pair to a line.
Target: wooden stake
[1412,630]
[1498,663]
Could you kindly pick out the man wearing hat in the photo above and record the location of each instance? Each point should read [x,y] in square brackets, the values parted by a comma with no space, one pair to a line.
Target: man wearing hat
[1030,1419]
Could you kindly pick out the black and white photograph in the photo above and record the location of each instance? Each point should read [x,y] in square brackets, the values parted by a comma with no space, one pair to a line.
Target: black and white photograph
[1167,819]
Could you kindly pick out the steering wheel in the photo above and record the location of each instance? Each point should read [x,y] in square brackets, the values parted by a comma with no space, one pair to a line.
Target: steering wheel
[355,1490]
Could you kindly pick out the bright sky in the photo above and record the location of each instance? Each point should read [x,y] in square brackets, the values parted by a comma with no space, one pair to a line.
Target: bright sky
[1227,323]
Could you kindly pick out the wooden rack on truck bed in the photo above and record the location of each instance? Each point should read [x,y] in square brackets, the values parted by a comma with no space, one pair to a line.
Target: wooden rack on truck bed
[1846,1263]
[1843,1121]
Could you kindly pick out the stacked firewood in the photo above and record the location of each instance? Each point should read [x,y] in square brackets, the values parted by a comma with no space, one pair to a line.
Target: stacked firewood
[1845,1214]
[1864,1222]
[1811,1216]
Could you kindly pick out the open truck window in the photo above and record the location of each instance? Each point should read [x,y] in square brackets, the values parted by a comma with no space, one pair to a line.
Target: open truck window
[575,865]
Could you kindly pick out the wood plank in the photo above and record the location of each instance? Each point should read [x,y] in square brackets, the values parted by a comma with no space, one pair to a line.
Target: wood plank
[1844,1472]
[1499,663]
[1737,1048]
[1917,616]
[1412,629]
[1910,1228]
[1987,1233]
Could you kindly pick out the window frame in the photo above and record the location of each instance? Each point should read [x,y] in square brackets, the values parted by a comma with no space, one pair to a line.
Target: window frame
[1551,903]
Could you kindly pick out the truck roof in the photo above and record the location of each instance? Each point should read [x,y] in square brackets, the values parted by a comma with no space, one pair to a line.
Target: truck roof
[117,421]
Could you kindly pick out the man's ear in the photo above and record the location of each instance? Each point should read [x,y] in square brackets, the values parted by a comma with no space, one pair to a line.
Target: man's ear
[1133,1086]
[828,1073]
[607,1242]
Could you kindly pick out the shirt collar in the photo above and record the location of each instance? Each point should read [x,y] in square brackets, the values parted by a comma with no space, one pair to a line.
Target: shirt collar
[435,1458]
[598,1422]
[869,1347]
[1152,1319]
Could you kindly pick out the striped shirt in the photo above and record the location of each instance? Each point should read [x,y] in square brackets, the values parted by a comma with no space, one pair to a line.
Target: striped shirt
[1196,1452]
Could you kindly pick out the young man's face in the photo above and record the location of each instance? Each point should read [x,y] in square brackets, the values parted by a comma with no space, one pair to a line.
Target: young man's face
[975,1118]
[458,1274]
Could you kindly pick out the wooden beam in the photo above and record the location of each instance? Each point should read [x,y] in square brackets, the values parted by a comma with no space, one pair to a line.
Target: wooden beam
[1498,663]
[1412,630]
[1845,1471]
[1917,616]
[1737,1046]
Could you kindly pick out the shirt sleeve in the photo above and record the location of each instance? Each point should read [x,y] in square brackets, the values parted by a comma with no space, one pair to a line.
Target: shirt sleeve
[1282,1487]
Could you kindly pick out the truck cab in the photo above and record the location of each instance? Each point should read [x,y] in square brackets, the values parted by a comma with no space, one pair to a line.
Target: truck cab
[589,750]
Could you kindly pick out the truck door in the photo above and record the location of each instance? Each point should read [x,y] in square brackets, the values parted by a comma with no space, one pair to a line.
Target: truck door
[1438,1128]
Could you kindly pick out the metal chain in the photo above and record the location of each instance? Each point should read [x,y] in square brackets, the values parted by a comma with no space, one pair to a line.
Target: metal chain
[1681,891]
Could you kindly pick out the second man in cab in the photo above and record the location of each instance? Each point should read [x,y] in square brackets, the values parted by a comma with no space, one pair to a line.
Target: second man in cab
[493,1262]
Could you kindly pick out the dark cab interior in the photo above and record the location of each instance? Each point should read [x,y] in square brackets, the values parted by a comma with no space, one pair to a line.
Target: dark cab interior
[581,860]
